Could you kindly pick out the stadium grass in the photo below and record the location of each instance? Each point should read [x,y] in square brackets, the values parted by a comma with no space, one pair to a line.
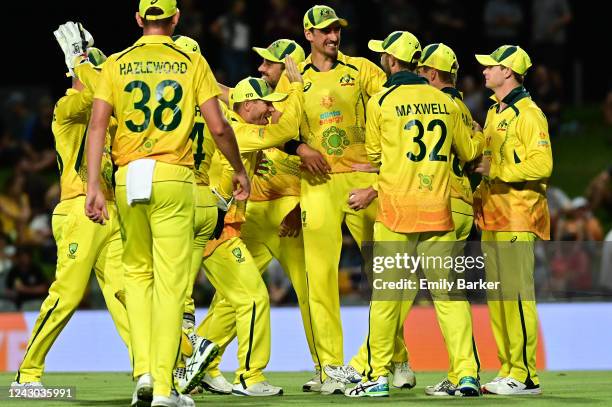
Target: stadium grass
[114,389]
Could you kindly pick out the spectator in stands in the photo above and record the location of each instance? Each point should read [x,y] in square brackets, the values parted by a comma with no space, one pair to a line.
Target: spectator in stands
[558,204]
[550,19]
[192,20]
[283,20]
[599,191]
[235,35]
[547,96]
[607,108]
[579,223]
[474,98]
[17,120]
[399,15]
[14,207]
[25,281]
[38,144]
[503,20]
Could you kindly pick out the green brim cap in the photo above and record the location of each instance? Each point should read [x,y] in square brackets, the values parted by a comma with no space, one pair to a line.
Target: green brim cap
[168,8]
[401,44]
[510,56]
[440,57]
[254,89]
[322,16]
[280,49]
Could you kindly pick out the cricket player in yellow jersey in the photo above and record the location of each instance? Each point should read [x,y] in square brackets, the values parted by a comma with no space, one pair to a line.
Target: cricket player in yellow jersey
[336,90]
[153,88]
[242,298]
[190,370]
[411,127]
[512,213]
[439,66]
[81,244]
[273,224]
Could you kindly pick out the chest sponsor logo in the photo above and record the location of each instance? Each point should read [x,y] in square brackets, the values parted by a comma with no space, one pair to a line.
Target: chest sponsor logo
[331,117]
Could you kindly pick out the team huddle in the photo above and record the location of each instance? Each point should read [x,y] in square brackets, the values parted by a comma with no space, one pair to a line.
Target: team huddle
[228,179]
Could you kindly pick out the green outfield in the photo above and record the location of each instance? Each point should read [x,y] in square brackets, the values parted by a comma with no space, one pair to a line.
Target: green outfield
[114,389]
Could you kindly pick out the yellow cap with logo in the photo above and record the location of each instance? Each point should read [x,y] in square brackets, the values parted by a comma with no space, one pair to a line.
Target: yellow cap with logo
[439,56]
[186,43]
[510,56]
[279,49]
[254,89]
[401,44]
[168,8]
[322,16]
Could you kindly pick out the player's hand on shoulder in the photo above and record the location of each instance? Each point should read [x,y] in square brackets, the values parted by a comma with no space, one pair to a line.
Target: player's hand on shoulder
[476,127]
[291,69]
[74,40]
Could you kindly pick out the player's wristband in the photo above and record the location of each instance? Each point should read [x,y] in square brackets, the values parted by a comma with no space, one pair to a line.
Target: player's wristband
[291,146]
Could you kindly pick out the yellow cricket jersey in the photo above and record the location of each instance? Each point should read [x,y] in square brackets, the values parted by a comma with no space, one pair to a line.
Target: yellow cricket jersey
[252,140]
[460,183]
[282,179]
[513,197]
[203,146]
[69,126]
[411,128]
[334,108]
[154,87]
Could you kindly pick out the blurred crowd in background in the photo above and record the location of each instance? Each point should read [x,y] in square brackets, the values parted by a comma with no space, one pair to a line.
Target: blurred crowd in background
[29,187]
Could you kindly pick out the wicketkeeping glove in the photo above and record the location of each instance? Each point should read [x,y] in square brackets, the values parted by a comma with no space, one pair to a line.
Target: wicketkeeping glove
[74,40]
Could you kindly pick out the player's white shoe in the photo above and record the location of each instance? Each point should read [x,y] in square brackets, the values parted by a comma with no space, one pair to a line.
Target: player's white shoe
[314,384]
[443,389]
[217,384]
[403,376]
[261,389]
[332,386]
[175,400]
[344,374]
[512,387]
[374,388]
[204,352]
[143,393]
[492,384]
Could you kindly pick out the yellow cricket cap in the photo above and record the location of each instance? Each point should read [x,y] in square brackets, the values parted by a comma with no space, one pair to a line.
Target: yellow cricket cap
[279,49]
[510,56]
[439,56]
[401,44]
[186,43]
[321,17]
[168,8]
[254,89]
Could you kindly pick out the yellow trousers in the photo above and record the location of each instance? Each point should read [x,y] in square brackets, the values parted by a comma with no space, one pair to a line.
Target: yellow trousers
[387,316]
[81,246]
[260,235]
[514,317]
[203,227]
[232,271]
[324,208]
[158,242]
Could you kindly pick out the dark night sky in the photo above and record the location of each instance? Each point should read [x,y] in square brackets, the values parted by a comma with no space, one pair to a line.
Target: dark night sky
[33,58]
